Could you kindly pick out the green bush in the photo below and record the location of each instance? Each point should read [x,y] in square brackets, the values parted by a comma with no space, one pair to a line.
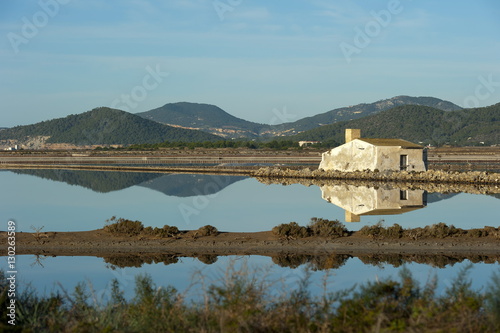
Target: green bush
[207,230]
[290,230]
[378,231]
[124,227]
[327,228]
[440,230]
[244,301]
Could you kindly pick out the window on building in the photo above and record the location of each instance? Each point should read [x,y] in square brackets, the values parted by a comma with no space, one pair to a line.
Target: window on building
[403,162]
[403,195]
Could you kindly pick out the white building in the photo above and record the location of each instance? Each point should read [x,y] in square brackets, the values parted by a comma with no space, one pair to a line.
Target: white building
[307,143]
[359,201]
[374,154]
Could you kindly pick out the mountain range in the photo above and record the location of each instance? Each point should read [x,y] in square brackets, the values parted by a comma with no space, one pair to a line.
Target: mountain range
[178,185]
[418,119]
[205,117]
[212,119]
[103,126]
[421,124]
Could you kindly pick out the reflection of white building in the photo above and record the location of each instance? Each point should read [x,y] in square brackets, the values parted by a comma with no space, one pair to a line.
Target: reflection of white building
[374,154]
[361,200]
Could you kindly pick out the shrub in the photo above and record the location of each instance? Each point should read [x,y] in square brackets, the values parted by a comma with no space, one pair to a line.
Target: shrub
[171,230]
[327,228]
[441,230]
[134,228]
[166,231]
[207,230]
[378,231]
[290,230]
[124,227]
[243,301]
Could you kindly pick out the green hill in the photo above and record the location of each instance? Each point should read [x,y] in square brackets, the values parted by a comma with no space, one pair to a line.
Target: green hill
[205,117]
[361,111]
[214,120]
[420,124]
[104,126]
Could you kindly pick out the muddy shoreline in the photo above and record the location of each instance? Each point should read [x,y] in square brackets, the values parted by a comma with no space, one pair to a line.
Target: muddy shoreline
[100,243]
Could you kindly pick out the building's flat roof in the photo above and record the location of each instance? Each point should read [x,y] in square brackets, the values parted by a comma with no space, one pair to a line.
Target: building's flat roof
[392,142]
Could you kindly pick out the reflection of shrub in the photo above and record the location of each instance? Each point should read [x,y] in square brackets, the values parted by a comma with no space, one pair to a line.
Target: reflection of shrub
[326,228]
[291,260]
[208,259]
[124,227]
[290,230]
[207,230]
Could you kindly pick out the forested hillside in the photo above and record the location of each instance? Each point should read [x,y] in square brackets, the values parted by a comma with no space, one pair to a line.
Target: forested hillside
[420,124]
[104,126]
[206,117]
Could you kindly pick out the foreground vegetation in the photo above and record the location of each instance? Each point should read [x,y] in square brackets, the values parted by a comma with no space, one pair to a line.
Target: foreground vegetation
[246,301]
[274,144]
[317,227]
[104,126]
[124,227]
[333,229]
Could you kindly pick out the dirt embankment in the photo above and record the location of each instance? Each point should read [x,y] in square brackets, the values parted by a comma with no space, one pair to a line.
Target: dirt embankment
[428,186]
[431,176]
[103,244]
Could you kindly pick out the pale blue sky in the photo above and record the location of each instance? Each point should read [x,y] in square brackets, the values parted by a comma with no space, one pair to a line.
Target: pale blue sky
[264,61]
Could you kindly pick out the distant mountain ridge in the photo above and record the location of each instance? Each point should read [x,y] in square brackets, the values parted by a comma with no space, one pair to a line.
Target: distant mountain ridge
[420,124]
[103,126]
[364,110]
[205,117]
[179,185]
[191,122]
[214,120]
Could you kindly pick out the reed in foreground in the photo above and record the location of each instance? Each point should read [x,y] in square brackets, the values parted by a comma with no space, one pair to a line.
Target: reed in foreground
[243,301]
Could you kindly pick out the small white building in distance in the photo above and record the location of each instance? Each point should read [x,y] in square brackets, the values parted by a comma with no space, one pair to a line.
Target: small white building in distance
[359,154]
[307,143]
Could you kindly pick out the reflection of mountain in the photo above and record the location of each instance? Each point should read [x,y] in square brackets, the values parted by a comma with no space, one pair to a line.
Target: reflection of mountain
[180,185]
[186,185]
[435,197]
[361,200]
[97,181]
[495,195]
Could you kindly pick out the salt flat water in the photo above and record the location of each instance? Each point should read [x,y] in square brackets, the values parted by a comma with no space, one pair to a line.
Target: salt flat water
[59,200]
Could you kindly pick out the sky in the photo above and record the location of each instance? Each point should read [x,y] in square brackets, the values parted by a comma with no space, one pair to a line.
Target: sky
[263,61]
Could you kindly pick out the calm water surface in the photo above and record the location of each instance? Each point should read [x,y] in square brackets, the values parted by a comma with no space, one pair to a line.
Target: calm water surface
[76,201]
